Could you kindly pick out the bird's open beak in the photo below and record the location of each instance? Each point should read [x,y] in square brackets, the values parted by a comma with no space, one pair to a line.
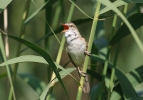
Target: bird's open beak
[66,27]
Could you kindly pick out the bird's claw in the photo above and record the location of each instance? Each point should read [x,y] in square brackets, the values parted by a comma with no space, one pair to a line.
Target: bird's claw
[87,53]
[83,74]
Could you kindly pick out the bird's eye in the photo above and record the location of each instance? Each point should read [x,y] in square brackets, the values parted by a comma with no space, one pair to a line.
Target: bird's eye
[71,25]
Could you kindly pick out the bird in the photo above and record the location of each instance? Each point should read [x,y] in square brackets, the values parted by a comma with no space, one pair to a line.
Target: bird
[76,47]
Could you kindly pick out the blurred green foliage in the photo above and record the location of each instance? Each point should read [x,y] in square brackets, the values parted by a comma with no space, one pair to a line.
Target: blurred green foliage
[41,26]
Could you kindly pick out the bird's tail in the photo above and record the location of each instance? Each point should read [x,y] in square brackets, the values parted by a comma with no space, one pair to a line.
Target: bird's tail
[86,87]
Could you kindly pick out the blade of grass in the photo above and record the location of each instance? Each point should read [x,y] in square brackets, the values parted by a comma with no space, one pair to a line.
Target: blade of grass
[32,58]
[119,3]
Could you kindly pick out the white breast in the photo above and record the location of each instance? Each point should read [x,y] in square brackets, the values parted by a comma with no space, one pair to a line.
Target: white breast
[75,47]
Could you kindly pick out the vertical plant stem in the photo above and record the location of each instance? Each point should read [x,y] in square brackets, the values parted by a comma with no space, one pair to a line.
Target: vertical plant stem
[55,22]
[104,74]
[56,16]
[91,38]
[7,68]
[5,29]
[62,46]
[5,54]
[47,41]
[113,69]
[22,33]
[48,18]
[116,56]
[63,38]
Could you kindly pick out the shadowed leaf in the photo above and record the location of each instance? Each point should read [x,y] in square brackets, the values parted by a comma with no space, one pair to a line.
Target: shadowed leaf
[135,20]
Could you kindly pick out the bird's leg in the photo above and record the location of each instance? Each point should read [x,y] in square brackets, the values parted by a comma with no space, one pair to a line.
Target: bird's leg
[87,53]
[85,87]
[81,73]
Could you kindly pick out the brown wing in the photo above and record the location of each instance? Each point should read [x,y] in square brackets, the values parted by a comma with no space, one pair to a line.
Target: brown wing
[72,60]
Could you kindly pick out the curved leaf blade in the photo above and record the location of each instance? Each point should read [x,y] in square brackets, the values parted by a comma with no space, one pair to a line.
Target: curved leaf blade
[44,54]
[135,20]
[119,3]
[3,4]
[33,58]
[25,58]
[126,86]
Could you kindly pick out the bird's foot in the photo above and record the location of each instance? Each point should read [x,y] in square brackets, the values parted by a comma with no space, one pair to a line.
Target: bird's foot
[83,74]
[87,53]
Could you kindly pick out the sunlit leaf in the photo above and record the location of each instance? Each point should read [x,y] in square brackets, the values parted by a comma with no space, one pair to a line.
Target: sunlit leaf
[136,76]
[3,4]
[119,3]
[115,95]
[139,89]
[33,58]
[25,58]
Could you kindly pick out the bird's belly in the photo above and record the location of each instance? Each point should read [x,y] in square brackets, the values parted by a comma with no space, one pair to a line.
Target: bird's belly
[76,51]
